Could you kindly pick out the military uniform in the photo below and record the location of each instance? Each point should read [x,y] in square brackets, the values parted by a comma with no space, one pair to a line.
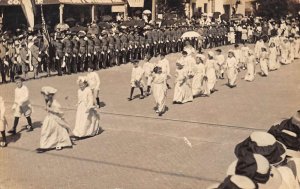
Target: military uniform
[59,55]
[104,55]
[90,53]
[124,48]
[82,59]
[97,52]
[75,52]
[117,49]
[68,50]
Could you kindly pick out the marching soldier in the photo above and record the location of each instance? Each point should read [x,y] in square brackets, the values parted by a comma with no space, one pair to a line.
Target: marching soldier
[117,48]
[124,47]
[68,48]
[90,52]
[111,49]
[97,51]
[59,53]
[82,51]
[75,64]
[104,42]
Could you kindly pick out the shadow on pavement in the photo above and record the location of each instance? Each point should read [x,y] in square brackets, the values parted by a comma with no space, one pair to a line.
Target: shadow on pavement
[13,138]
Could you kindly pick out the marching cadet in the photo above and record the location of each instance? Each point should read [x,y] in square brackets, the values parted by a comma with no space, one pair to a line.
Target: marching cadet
[161,40]
[75,51]
[136,79]
[179,42]
[24,60]
[111,49]
[82,51]
[90,51]
[136,46]
[97,51]
[167,40]
[59,54]
[124,47]
[173,39]
[3,66]
[68,48]
[9,59]
[206,37]
[104,42]
[155,40]
[117,48]
[149,43]
[142,47]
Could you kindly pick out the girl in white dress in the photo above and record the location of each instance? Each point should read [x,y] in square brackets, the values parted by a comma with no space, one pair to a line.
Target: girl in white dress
[285,50]
[264,62]
[244,56]
[232,69]
[273,61]
[210,71]
[55,131]
[87,119]
[199,73]
[136,79]
[3,123]
[159,88]
[220,59]
[251,63]
[148,68]
[94,83]
[183,90]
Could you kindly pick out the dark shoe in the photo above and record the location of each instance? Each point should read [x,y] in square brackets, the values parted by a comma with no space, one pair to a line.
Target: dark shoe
[29,128]
[12,132]
[142,97]
[160,114]
[41,150]
[129,99]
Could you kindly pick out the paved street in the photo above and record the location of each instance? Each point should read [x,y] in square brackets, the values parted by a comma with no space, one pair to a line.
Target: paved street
[138,149]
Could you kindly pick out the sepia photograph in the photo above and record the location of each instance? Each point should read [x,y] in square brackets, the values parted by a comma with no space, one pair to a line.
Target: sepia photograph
[149,94]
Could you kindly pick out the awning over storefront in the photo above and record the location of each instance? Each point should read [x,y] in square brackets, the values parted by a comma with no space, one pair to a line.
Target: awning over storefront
[136,3]
[78,2]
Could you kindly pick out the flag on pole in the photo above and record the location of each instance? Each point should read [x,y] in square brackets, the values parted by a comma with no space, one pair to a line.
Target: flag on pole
[29,10]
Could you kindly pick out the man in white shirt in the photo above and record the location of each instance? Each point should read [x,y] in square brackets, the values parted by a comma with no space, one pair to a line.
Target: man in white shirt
[94,83]
[21,105]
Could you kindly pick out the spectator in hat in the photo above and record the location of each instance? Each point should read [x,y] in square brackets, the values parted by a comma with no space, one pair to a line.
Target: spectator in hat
[21,106]
[136,79]
[55,131]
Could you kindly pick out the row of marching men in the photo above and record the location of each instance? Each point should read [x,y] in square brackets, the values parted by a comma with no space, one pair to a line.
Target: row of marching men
[267,160]
[55,132]
[196,75]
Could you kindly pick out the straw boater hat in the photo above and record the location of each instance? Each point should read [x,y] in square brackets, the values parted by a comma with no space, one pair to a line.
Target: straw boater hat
[235,182]
[47,90]
[262,143]
[258,169]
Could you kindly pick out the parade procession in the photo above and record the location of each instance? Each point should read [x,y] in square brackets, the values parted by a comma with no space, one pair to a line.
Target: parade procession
[150,94]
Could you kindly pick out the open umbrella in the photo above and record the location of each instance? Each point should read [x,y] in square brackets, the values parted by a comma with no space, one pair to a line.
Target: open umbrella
[190,34]
[146,12]
[62,27]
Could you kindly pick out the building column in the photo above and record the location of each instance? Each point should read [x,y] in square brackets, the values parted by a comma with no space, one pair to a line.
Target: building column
[126,11]
[61,13]
[153,10]
[93,13]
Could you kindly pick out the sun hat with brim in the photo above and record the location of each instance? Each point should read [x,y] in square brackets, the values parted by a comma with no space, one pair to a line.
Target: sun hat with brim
[82,79]
[258,169]
[287,133]
[47,90]
[262,143]
[235,182]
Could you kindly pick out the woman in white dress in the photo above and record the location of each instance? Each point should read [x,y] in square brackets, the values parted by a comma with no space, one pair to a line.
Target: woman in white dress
[264,62]
[159,87]
[285,50]
[183,89]
[199,73]
[232,69]
[87,119]
[251,63]
[210,71]
[55,131]
[273,61]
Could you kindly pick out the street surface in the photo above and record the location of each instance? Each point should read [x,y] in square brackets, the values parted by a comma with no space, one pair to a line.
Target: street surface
[138,149]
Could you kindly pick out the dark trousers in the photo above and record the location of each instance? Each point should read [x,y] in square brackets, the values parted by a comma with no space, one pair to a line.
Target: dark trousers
[59,64]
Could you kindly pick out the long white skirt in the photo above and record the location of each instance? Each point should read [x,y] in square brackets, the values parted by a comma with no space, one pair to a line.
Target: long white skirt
[183,93]
[87,124]
[54,133]
[197,87]
[232,76]
[250,74]
[264,67]
[160,94]
[211,78]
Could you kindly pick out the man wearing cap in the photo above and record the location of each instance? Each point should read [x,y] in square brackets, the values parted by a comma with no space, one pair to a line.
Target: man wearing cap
[24,60]
[75,51]
[97,51]
[59,54]
[124,47]
[117,48]
[68,48]
[104,42]
[90,52]
[10,59]
[82,56]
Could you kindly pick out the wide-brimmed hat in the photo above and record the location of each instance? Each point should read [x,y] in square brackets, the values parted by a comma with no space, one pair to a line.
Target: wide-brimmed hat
[82,79]
[47,90]
[262,143]
[235,182]
[258,169]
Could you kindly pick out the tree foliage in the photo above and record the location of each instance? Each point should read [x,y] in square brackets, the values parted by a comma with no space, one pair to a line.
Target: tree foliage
[272,8]
[171,6]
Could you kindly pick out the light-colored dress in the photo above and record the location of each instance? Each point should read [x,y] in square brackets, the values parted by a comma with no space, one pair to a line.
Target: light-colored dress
[87,119]
[148,68]
[211,74]
[136,77]
[183,90]
[244,54]
[250,74]
[220,59]
[199,73]
[232,72]
[264,63]
[285,50]
[3,122]
[273,61]
[159,88]
[55,131]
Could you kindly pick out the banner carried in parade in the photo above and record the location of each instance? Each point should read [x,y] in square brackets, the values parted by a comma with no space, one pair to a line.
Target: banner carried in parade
[28,7]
